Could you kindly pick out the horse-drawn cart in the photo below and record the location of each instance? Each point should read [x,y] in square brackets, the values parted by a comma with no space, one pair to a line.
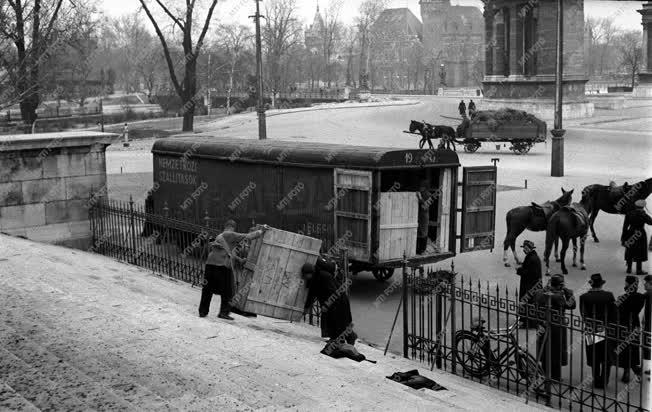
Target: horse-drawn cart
[519,128]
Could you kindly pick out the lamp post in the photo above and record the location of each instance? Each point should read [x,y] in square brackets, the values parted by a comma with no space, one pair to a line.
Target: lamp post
[557,156]
[262,124]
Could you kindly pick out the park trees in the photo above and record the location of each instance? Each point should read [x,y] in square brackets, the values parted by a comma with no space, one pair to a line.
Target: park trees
[281,34]
[31,31]
[182,18]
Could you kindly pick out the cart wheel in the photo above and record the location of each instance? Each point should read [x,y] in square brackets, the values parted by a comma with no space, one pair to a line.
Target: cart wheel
[521,147]
[383,274]
[471,147]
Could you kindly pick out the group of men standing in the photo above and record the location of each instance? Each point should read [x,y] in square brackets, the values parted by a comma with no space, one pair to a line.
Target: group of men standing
[600,311]
[462,109]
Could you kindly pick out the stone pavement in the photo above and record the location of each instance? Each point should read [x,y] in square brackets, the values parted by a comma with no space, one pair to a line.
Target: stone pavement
[83,332]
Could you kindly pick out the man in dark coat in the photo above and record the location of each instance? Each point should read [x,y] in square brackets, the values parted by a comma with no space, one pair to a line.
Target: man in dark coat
[634,238]
[471,108]
[598,309]
[218,276]
[462,108]
[531,283]
[629,307]
[333,299]
[554,300]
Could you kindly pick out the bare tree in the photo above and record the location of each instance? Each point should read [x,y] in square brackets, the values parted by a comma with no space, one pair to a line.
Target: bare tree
[149,67]
[369,11]
[234,42]
[29,34]
[631,52]
[331,36]
[183,19]
[281,33]
[350,37]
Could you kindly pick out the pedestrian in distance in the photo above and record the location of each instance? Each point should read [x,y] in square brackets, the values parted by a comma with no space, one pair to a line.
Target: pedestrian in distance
[630,306]
[531,282]
[462,108]
[598,309]
[552,340]
[634,237]
[218,274]
[471,109]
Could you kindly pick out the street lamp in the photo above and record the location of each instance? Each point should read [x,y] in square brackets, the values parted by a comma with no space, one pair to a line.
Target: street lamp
[557,156]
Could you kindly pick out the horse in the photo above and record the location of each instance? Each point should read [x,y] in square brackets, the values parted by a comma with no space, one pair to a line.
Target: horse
[534,218]
[429,132]
[568,224]
[617,200]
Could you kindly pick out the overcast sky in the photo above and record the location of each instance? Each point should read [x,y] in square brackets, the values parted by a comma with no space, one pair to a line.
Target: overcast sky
[237,10]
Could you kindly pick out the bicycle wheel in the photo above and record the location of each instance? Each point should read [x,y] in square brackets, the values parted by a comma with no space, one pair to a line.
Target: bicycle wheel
[472,353]
[529,370]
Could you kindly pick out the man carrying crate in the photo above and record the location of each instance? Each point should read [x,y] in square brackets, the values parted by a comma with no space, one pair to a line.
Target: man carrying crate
[218,276]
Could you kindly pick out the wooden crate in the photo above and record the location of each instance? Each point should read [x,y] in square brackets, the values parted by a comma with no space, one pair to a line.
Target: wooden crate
[399,213]
[507,131]
[270,283]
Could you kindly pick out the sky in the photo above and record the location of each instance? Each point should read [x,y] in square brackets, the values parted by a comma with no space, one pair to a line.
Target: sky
[229,11]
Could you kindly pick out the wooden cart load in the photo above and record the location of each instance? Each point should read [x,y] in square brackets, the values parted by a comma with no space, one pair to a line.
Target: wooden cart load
[520,128]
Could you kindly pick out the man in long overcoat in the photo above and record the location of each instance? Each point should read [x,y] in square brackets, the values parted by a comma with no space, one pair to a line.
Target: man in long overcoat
[630,306]
[333,299]
[634,237]
[552,339]
[462,108]
[531,283]
[598,309]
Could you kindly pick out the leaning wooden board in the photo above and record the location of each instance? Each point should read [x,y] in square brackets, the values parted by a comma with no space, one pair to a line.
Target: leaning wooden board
[271,284]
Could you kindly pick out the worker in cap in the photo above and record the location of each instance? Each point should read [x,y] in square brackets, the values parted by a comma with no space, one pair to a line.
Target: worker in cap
[634,237]
[598,308]
[530,283]
[218,273]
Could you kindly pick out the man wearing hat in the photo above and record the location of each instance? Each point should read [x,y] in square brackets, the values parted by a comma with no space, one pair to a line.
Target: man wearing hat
[531,283]
[598,308]
[218,275]
[634,238]
[630,305]
[552,341]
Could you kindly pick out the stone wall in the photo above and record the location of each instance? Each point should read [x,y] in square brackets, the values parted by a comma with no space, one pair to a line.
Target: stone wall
[45,184]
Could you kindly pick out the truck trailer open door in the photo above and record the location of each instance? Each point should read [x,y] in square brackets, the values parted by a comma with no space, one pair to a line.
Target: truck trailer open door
[352,212]
[478,208]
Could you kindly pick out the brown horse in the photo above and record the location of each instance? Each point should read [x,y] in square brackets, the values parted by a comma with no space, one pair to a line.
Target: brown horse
[534,217]
[568,224]
[618,200]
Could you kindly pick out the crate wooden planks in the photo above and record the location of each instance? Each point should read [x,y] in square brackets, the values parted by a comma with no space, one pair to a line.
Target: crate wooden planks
[399,212]
[506,131]
[271,277]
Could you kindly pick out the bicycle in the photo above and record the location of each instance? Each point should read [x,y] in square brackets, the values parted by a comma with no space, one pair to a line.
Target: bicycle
[481,359]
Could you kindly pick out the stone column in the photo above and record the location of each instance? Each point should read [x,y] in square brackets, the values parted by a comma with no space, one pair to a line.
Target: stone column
[490,39]
[513,39]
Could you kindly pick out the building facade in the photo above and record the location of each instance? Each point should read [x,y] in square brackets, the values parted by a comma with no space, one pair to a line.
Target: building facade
[520,57]
[453,36]
[397,50]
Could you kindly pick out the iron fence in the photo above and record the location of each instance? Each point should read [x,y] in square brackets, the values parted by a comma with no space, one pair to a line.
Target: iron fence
[176,248]
[527,345]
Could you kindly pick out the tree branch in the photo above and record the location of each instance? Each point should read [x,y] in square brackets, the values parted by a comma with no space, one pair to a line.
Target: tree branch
[205,29]
[168,12]
[166,50]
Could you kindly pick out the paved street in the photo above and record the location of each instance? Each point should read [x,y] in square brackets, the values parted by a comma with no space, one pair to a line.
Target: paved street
[596,152]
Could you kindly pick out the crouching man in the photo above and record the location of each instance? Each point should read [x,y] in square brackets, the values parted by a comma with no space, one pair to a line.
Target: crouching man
[331,295]
[218,276]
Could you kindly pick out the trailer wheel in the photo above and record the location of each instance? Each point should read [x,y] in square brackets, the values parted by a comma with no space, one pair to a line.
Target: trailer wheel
[383,274]
[521,147]
[471,147]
